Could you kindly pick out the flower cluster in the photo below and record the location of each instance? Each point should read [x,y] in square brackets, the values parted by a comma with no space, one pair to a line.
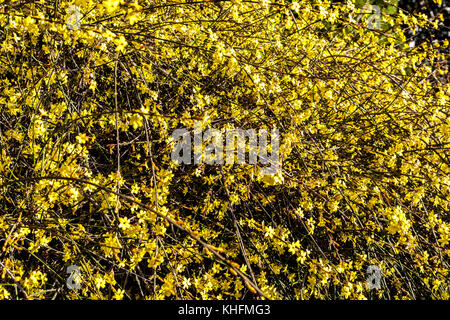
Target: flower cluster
[86,176]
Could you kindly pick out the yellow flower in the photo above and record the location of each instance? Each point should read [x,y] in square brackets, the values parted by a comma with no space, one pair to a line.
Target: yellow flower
[82,138]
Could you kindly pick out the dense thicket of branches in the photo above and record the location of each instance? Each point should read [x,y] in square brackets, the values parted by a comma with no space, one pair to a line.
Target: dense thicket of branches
[431,9]
[86,176]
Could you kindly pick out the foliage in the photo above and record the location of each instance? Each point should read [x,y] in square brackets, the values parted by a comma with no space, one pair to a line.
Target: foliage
[86,176]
